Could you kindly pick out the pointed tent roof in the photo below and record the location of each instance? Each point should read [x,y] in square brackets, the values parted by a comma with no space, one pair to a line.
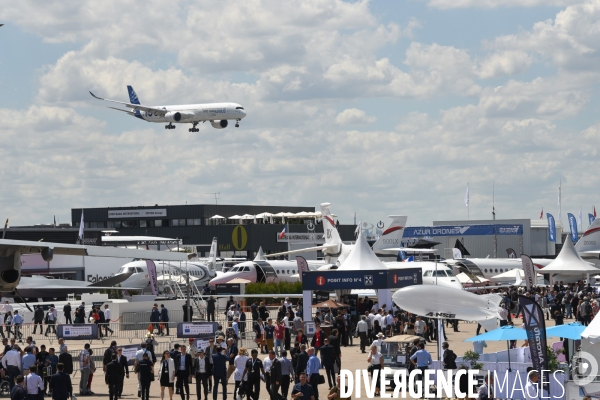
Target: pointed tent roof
[568,260]
[260,256]
[361,257]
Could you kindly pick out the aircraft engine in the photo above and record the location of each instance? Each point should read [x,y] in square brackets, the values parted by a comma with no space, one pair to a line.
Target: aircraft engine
[178,116]
[10,271]
[219,124]
[48,253]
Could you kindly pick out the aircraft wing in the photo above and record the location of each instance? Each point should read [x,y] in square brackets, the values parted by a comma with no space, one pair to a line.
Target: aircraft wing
[316,248]
[37,286]
[405,249]
[155,110]
[120,109]
[47,249]
[112,281]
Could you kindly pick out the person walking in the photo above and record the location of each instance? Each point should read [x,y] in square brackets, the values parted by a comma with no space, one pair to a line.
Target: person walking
[375,361]
[113,377]
[287,374]
[166,373]
[123,362]
[219,372]
[329,357]
[183,366]
[303,390]
[254,367]
[201,372]
[11,362]
[164,319]
[449,358]
[362,331]
[67,313]
[232,352]
[240,364]
[17,322]
[155,320]
[312,371]
[145,370]
[60,384]
[107,320]
[84,367]
[50,321]
[210,308]
[38,318]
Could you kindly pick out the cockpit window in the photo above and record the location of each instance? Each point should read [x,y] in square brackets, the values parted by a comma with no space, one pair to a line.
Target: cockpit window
[239,108]
[246,269]
[439,273]
[450,273]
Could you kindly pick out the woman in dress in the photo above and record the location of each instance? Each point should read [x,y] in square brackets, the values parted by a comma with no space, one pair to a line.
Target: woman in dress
[240,364]
[375,361]
[145,371]
[166,372]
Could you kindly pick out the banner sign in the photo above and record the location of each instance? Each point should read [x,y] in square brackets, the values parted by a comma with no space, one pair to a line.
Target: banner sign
[147,213]
[77,332]
[573,227]
[310,237]
[529,271]
[551,228]
[375,279]
[535,325]
[465,230]
[591,218]
[228,289]
[129,352]
[302,265]
[152,276]
[196,329]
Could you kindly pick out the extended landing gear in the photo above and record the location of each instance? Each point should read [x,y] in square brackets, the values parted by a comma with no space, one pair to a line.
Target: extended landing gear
[193,128]
[170,126]
[237,123]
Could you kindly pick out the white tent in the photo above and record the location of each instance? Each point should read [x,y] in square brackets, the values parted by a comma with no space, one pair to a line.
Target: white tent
[590,338]
[247,216]
[235,217]
[217,216]
[568,261]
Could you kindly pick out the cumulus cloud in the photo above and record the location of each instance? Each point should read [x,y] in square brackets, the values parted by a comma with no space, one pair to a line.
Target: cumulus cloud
[445,4]
[352,116]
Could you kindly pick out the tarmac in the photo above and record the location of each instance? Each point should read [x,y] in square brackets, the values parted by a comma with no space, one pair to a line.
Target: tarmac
[352,359]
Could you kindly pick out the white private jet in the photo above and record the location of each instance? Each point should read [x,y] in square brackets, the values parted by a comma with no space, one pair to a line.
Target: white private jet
[217,113]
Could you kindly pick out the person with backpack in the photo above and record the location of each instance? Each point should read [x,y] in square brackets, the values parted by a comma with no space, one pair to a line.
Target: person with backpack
[150,345]
[107,358]
[449,357]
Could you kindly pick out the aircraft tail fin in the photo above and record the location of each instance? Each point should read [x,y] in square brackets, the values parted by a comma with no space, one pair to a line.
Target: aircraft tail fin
[330,231]
[511,253]
[392,236]
[463,250]
[590,241]
[133,99]
[212,255]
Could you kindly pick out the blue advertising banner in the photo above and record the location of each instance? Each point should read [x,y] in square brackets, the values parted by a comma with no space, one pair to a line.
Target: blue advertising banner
[551,228]
[465,230]
[77,332]
[376,279]
[535,326]
[591,218]
[573,227]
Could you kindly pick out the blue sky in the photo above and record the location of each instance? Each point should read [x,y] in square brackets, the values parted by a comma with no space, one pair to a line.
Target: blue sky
[381,107]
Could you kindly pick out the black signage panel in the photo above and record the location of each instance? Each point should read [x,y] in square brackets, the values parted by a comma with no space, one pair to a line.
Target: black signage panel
[375,279]
[228,289]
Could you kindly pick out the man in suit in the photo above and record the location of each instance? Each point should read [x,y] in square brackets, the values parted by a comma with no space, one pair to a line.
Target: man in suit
[60,384]
[276,378]
[210,308]
[449,358]
[67,312]
[183,366]
[114,377]
[201,371]
[219,372]
[164,317]
[328,356]
[67,360]
[232,352]
[302,362]
[123,362]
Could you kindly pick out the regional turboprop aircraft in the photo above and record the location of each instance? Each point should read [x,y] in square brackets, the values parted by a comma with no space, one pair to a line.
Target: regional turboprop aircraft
[217,113]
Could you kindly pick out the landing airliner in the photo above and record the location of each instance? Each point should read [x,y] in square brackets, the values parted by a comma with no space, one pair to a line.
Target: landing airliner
[217,113]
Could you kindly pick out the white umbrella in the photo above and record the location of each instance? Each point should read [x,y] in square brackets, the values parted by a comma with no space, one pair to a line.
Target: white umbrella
[247,216]
[217,216]
[235,217]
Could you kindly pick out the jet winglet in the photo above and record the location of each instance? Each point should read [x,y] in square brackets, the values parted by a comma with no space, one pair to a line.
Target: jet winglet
[96,97]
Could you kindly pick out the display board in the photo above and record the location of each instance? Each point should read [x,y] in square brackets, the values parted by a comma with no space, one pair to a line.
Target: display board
[77,332]
[196,329]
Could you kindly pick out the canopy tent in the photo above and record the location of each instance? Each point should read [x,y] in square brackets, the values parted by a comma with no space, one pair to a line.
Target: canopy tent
[569,261]
[247,216]
[569,331]
[361,258]
[592,331]
[217,216]
[235,217]
[329,304]
[264,215]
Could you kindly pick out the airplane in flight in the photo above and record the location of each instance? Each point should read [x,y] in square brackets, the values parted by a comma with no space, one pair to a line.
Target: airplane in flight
[217,114]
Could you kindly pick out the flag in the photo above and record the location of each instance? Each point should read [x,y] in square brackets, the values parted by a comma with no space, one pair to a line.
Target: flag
[580,219]
[573,227]
[152,276]
[542,213]
[55,221]
[535,326]
[594,212]
[551,228]
[401,256]
[467,196]
[81,228]
[529,271]
[591,218]
[282,234]
[559,209]
[302,266]
[354,217]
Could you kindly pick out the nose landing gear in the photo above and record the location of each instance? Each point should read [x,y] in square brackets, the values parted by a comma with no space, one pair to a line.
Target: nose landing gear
[170,126]
[237,123]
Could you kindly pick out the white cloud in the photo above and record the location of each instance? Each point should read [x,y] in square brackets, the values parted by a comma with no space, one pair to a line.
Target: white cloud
[352,116]
[445,4]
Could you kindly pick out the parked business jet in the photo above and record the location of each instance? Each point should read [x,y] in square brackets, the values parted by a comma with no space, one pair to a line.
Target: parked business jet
[217,113]
[200,273]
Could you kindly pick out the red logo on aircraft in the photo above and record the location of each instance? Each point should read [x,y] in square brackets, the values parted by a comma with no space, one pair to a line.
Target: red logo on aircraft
[395,279]
[320,280]
[392,229]
[590,231]
[328,218]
